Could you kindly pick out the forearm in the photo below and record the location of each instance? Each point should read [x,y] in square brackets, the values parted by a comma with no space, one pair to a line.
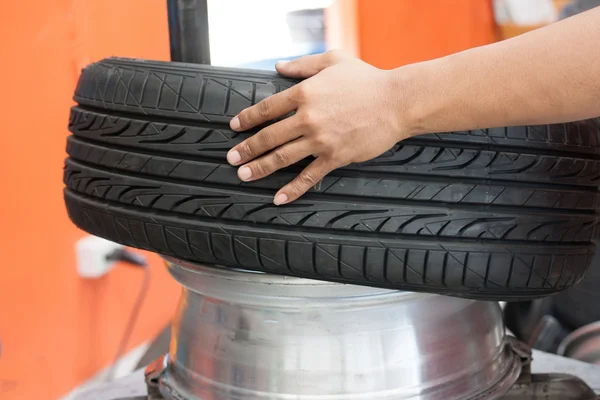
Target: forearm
[547,76]
[347,111]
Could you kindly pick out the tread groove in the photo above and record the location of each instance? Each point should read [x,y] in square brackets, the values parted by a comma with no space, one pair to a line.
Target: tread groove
[487,271]
[510,271]
[364,263]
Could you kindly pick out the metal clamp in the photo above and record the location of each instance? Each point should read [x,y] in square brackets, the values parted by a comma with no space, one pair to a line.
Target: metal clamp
[544,386]
[524,353]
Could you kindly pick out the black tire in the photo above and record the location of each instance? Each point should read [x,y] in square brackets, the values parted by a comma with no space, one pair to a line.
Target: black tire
[506,213]
[580,305]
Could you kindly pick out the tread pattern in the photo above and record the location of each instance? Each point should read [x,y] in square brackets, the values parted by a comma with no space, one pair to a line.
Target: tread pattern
[442,161]
[179,90]
[441,190]
[468,271]
[580,305]
[579,136]
[214,95]
[393,217]
[504,213]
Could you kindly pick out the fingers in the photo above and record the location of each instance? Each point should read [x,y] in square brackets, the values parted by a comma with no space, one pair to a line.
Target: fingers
[308,178]
[307,66]
[282,157]
[287,101]
[272,107]
[264,141]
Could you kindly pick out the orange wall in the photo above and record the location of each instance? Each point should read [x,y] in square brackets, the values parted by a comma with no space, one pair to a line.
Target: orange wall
[56,330]
[391,33]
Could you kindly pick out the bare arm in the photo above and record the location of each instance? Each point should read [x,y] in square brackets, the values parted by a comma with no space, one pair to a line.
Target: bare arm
[348,111]
[546,76]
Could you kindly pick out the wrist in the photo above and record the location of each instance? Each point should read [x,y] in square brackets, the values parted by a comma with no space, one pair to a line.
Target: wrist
[408,87]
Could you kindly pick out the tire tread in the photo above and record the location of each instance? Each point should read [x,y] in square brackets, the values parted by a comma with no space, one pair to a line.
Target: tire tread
[503,213]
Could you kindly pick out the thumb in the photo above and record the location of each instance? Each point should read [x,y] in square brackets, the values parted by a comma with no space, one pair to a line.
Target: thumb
[307,66]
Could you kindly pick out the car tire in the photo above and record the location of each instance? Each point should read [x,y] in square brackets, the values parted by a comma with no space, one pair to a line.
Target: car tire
[506,213]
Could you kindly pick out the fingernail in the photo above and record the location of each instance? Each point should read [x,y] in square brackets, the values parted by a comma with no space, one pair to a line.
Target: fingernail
[281,63]
[244,173]
[234,157]
[280,199]
[235,124]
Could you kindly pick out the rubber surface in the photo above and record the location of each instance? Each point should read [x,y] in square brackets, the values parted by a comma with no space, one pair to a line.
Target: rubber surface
[507,213]
[580,305]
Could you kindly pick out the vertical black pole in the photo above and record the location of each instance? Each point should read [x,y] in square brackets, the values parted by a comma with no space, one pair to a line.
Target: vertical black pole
[188,31]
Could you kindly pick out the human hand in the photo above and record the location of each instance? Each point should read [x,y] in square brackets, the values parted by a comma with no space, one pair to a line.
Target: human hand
[347,111]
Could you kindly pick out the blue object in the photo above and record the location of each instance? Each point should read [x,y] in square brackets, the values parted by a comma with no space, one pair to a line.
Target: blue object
[269,64]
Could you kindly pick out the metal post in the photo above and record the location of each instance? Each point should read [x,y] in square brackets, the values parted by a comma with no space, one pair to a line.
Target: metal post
[188,31]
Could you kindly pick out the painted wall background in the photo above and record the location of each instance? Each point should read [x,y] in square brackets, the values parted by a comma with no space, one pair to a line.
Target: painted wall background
[392,33]
[56,329]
